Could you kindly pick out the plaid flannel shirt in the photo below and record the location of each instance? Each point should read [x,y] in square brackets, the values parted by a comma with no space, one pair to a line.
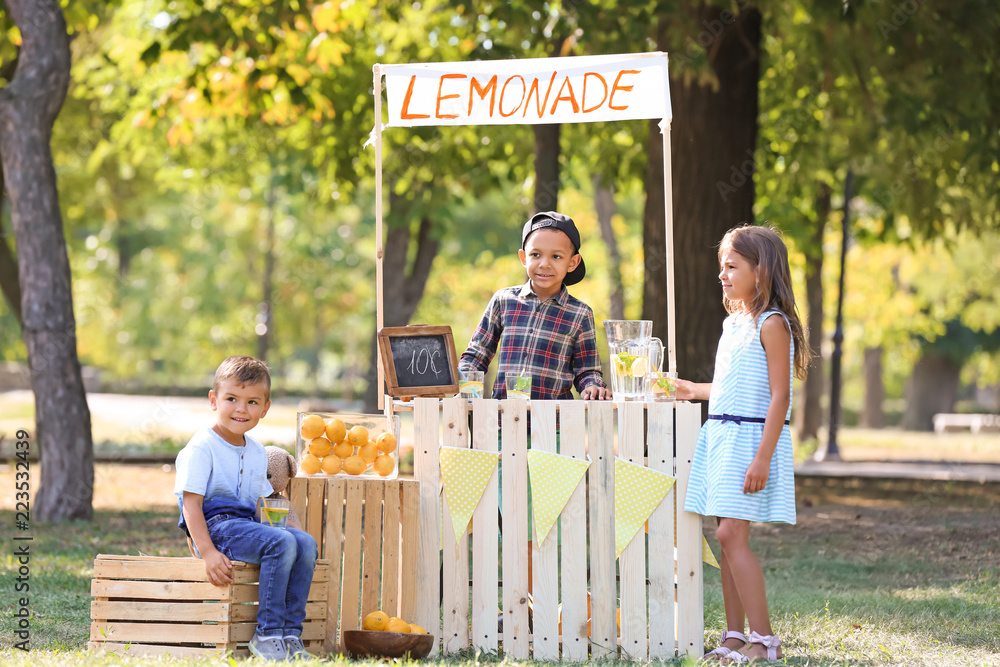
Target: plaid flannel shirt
[552,340]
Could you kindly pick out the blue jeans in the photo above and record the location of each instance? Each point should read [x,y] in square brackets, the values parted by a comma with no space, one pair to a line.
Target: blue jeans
[287,559]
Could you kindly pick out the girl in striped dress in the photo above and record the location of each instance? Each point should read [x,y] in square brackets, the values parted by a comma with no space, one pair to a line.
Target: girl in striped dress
[742,467]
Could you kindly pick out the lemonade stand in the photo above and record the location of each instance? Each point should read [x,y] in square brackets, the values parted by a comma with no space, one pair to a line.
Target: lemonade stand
[605,479]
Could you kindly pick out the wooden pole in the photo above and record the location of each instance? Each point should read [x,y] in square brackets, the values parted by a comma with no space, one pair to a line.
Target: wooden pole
[668,203]
[379,250]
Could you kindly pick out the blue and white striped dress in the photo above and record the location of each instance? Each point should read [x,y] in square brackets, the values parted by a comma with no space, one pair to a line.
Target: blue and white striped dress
[728,442]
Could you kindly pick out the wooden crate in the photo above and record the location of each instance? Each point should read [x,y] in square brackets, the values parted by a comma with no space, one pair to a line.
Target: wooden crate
[145,605]
[368,529]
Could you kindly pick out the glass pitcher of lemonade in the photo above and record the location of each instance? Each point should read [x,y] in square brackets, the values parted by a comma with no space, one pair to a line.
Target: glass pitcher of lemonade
[634,352]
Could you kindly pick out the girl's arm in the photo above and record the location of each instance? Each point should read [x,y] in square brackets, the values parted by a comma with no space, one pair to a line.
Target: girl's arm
[777,341]
[693,391]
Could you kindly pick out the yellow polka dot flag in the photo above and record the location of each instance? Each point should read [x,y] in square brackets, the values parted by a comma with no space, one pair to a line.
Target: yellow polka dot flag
[706,553]
[464,475]
[553,478]
[638,490]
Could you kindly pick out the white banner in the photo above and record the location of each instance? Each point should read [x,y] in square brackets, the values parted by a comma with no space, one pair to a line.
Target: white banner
[581,89]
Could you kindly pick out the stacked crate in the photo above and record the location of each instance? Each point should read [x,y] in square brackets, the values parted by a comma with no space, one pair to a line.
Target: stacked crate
[146,605]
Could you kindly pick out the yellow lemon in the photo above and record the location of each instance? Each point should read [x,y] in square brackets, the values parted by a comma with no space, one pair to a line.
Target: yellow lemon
[397,625]
[639,367]
[332,464]
[310,464]
[357,436]
[354,465]
[368,452]
[417,630]
[384,465]
[377,620]
[343,449]
[320,447]
[386,443]
[618,365]
[313,426]
[335,430]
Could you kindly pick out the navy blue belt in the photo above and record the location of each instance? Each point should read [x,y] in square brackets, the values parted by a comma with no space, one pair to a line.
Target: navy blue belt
[739,420]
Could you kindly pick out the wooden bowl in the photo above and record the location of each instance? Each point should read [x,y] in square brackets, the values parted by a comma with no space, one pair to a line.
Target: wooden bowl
[371,643]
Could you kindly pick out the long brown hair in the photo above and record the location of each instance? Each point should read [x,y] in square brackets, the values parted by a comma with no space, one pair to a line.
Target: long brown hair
[763,248]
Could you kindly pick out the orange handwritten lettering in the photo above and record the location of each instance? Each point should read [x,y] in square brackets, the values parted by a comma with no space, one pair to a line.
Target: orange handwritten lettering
[611,99]
[560,97]
[491,87]
[503,91]
[583,97]
[405,113]
[539,105]
[440,97]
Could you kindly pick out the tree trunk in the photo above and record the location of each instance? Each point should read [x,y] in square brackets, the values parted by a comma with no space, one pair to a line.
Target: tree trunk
[873,414]
[29,106]
[401,290]
[604,204]
[714,136]
[811,412]
[932,388]
[546,167]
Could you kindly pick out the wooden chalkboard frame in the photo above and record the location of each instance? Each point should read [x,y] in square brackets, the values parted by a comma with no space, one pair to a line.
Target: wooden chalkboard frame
[385,336]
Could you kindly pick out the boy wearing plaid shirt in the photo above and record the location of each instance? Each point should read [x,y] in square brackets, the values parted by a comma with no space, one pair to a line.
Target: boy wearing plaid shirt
[539,328]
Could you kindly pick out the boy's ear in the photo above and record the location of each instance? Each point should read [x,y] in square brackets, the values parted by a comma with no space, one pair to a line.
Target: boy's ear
[211,398]
[267,406]
[523,258]
[574,261]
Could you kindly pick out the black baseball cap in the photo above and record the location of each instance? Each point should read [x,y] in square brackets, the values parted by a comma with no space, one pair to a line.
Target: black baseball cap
[565,224]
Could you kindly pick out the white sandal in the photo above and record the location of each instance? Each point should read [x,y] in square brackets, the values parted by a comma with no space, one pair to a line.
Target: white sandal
[722,651]
[770,642]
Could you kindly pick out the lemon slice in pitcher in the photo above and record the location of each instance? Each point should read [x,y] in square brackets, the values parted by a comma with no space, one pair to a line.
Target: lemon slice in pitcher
[639,367]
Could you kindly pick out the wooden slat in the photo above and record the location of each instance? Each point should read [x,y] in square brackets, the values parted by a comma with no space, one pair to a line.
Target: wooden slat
[455,553]
[427,471]
[159,590]
[132,610]
[313,523]
[243,632]
[660,444]
[156,633]
[485,541]
[165,569]
[690,603]
[545,565]
[409,549]
[573,522]
[600,440]
[371,569]
[333,550]
[298,495]
[145,650]
[632,562]
[247,613]
[390,547]
[351,581]
[514,476]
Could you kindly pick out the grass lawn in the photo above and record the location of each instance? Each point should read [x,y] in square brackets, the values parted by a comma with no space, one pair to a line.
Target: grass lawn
[871,575]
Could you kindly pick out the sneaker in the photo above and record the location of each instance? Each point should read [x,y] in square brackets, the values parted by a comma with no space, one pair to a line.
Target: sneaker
[272,648]
[296,651]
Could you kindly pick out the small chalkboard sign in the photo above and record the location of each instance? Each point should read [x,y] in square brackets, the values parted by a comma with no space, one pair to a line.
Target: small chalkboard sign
[419,360]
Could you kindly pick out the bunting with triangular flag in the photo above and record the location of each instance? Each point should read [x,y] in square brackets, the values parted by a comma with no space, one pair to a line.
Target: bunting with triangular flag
[638,490]
[553,478]
[464,476]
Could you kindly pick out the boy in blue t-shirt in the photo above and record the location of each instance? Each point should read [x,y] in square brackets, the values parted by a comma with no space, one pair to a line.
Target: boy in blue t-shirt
[537,328]
[221,476]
